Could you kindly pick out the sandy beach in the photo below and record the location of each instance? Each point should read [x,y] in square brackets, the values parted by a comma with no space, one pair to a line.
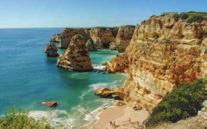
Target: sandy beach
[119,117]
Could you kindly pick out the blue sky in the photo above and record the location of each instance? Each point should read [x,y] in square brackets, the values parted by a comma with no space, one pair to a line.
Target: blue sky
[86,13]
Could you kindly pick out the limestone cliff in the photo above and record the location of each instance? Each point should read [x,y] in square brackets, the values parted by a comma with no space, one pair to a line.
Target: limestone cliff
[165,51]
[76,56]
[101,36]
[123,38]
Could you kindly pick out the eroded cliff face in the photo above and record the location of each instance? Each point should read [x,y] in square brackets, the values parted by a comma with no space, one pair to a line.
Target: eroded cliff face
[163,53]
[101,37]
[123,38]
[76,56]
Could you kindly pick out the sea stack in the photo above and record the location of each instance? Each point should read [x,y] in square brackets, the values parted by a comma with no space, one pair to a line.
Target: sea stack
[51,50]
[76,56]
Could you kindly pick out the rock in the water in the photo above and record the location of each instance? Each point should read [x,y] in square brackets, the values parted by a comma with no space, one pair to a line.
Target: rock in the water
[109,93]
[51,50]
[104,92]
[90,45]
[76,56]
[50,104]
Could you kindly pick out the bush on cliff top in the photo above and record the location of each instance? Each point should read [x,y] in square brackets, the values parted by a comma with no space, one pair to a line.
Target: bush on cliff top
[181,103]
[13,120]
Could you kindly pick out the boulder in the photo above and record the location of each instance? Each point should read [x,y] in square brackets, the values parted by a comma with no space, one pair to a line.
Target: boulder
[76,56]
[109,93]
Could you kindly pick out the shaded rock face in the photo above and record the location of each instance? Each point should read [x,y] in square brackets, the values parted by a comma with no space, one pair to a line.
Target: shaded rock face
[123,38]
[164,52]
[90,45]
[102,37]
[76,56]
[51,50]
[117,64]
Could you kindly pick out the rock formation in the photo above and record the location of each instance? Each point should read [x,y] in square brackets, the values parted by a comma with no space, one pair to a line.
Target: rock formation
[117,64]
[51,50]
[56,38]
[90,45]
[123,38]
[165,51]
[76,56]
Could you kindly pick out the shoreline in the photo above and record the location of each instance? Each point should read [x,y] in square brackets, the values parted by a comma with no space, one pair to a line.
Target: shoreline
[123,116]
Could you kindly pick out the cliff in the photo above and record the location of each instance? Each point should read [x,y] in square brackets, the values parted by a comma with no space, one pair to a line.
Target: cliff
[76,56]
[51,50]
[123,38]
[165,51]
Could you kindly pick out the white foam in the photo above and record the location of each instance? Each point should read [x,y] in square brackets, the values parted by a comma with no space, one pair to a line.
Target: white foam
[99,67]
[59,119]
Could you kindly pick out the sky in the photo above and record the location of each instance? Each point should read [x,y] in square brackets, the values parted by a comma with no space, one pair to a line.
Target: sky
[87,13]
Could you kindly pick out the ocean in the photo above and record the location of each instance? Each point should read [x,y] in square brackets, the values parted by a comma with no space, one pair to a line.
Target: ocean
[28,77]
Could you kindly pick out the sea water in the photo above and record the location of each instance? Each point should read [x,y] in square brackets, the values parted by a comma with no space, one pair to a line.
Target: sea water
[28,77]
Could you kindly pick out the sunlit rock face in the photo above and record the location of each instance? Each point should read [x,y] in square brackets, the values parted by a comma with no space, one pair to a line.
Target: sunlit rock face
[123,38]
[164,52]
[76,56]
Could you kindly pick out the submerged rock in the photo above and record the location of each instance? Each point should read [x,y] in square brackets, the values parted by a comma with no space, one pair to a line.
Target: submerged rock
[50,104]
[51,50]
[76,56]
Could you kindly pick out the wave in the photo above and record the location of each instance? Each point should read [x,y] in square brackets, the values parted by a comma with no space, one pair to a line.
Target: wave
[59,119]
[105,85]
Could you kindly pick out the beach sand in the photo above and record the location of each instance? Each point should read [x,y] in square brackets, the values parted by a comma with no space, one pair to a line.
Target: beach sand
[119,117]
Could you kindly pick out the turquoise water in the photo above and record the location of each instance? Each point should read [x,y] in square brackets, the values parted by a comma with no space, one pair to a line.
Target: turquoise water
[28,77]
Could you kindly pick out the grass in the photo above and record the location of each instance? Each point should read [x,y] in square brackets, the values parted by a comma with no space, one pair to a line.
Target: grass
[183,102]
[21,120]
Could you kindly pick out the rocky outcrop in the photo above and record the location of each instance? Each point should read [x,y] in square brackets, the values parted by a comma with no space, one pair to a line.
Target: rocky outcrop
[116,94]
[123,38]
[90,45]
[76,56]
[117,64]
[165,51]
[51,50]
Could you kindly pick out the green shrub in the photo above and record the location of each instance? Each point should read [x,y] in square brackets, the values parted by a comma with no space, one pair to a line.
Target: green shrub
[14,120]
[181,103]
[195,18]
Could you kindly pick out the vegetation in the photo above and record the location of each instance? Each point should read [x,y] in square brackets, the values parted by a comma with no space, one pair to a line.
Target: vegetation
[14,120]
[190,17]
[182,102]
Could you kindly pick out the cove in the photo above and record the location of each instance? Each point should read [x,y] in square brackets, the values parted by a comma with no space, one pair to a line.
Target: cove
[28,77]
